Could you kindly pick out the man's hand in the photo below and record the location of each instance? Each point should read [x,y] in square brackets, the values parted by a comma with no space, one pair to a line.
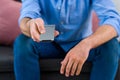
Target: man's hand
[74,60]
[36,27]
[33,28]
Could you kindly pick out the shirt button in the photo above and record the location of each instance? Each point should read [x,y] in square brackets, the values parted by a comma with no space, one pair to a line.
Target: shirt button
[58,8]
[61,22]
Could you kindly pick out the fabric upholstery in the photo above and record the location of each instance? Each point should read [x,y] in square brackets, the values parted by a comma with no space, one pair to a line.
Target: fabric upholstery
[9,13]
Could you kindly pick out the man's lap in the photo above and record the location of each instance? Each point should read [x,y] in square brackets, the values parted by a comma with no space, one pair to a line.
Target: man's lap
[53,50]
[49,50]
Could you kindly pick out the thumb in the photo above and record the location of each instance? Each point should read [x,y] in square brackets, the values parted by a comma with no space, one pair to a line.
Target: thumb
[56,33]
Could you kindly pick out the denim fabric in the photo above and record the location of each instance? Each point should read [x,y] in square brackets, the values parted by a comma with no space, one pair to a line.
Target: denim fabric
[27,54]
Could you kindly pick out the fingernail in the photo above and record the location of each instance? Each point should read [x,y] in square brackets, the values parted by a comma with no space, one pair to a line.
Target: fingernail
[67,75]
[42,31]
[61,72]
[33,38]
[72,74]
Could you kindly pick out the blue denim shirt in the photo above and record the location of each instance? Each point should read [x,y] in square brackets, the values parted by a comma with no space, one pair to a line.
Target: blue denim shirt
[71,17]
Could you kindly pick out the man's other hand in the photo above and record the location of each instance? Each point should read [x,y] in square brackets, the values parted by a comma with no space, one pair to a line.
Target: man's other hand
[74,60]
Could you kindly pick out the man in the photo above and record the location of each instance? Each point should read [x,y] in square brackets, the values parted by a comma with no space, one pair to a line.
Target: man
[73,38]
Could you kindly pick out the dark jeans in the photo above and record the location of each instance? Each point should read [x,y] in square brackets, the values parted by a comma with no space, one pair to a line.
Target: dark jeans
[27,54]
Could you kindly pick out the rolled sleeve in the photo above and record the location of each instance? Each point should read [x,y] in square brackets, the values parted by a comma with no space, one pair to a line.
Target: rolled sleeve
[30,8]
[107,14]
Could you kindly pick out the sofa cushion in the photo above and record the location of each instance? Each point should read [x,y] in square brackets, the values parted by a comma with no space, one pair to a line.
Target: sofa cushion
[49,67]
[6,60]
[9,13]
[95,21]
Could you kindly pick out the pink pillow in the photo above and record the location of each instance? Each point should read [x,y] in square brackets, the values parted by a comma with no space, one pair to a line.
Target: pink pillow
[9,13]
[95,21]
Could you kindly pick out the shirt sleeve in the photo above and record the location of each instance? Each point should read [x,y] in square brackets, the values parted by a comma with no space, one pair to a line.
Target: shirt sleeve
[107,13]
[30,8]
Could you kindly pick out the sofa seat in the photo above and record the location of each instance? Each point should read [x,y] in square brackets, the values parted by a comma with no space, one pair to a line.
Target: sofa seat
[49,68]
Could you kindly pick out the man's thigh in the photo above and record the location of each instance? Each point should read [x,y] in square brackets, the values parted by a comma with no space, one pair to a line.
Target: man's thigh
[49,50]
[105,49]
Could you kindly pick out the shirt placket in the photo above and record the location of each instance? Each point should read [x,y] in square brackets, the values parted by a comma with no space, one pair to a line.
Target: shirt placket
[60,7]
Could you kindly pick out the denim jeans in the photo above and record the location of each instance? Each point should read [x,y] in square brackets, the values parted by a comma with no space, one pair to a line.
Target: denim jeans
[27,54]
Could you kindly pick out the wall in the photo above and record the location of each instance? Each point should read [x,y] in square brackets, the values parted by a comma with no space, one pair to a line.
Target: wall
[117,4]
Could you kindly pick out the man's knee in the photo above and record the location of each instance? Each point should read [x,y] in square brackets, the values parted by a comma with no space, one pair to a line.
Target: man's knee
[20,40]
[22,46]
[113,43]
[110,51]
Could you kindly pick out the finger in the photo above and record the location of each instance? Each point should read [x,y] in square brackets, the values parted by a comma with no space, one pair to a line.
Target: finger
[63,65]
[79,69]
[35,36]
[56,33]
[68,67]
[34,32]
[40,25]
[74,68]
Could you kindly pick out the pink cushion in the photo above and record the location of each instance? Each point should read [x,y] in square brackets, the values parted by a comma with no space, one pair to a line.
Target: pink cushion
[95,21]
[9,13]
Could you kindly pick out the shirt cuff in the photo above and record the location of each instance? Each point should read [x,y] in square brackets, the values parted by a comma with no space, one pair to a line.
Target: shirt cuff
[30,14]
